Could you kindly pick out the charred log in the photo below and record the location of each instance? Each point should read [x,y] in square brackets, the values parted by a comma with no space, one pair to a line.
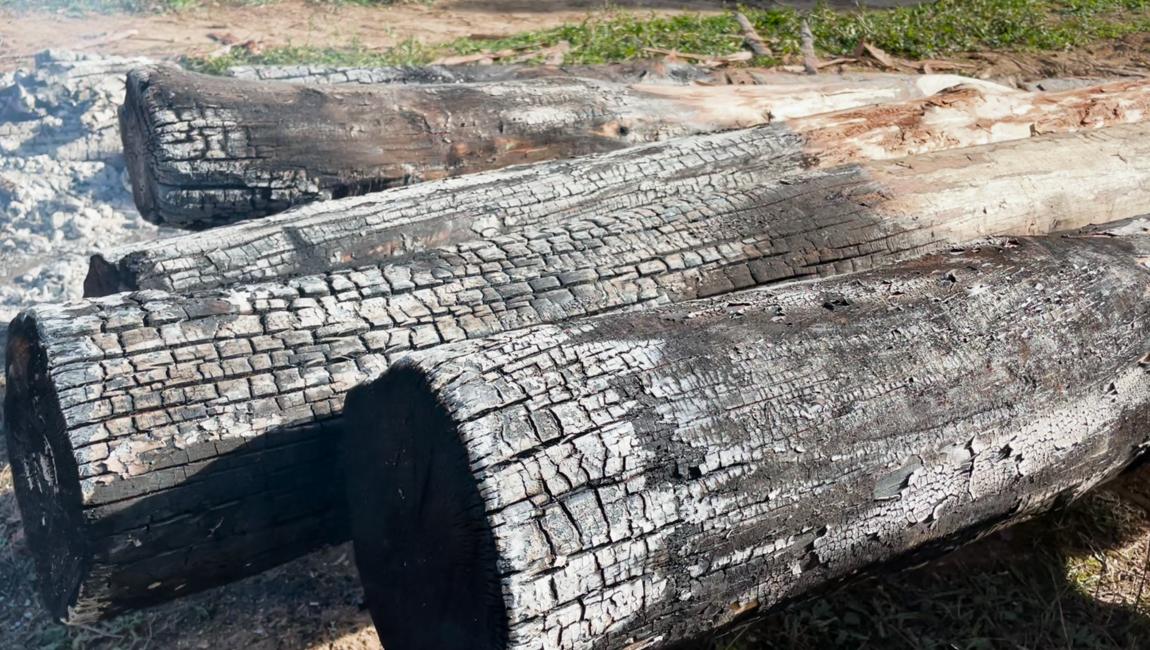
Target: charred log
[204,151]
[372,229]
[633,480]
[169,405]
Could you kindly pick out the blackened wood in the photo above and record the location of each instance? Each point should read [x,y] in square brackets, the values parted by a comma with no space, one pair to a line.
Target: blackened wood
[365,230]
[197,419]
[204,151]
[634,480]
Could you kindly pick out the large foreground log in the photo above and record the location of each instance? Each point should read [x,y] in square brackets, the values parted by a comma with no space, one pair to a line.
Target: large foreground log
[190,430]
[204,151]
[632,480]
[370,229]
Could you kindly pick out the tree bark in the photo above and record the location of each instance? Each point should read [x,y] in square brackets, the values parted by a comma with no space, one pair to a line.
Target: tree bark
[372,229]
[176,417]
[634,480]
[203,151]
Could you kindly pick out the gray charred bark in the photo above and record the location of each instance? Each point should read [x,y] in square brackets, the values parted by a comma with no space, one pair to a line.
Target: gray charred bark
[371,229]
[634,480]
[190,425]
[204,151]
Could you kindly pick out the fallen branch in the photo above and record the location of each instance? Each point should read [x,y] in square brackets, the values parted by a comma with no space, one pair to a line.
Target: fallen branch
[751,38]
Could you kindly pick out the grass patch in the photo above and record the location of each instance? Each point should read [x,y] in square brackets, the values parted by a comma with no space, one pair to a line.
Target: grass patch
[930,30]
[409,52]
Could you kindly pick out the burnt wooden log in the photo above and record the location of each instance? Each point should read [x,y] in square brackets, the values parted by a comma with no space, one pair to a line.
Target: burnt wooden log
[1108,182]
[634,480]
[650,71]
[204,151]
[194,428]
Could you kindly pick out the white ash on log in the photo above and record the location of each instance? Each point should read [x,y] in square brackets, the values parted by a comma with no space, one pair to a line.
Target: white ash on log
[166,408]
[370,229]
[204,151]
[634,480]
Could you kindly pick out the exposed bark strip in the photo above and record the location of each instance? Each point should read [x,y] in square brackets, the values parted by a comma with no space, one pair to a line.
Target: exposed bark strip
[634,480]
[205,151]
[1014,183]
[170,404]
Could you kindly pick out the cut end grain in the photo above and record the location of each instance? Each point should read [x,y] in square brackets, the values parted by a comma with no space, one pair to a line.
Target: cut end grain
[46,485]
[423,545]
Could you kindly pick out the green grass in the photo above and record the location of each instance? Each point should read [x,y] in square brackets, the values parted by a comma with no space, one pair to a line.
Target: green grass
[926,31]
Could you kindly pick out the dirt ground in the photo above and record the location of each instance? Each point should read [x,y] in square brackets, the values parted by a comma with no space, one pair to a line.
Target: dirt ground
[307,22]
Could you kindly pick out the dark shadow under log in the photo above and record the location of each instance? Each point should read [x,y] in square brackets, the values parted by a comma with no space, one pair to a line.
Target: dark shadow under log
[647,477]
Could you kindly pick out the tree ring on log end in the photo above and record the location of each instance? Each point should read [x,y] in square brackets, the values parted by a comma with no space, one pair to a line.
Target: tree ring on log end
[44,470]
[423,544]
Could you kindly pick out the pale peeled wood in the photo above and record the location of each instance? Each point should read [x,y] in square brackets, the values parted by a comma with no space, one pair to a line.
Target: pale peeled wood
[370,229]
[197,427]
[634,480]
[204,151]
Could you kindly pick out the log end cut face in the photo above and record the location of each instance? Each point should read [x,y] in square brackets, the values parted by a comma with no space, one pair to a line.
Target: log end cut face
[44,470]
[423,545]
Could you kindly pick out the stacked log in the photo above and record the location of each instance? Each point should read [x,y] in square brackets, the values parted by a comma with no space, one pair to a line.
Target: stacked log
[636,480]
[204,151]
[377,227]
[179,441]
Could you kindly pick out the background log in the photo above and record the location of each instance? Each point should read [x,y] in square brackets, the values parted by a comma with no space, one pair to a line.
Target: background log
[651,71]
[203,151]
[194,425]
[632,480]
[372,229]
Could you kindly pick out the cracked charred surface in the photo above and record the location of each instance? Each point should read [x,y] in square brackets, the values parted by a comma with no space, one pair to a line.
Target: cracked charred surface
[205,151]
[186,414]
[648,71]
[646,477]
[1010,188]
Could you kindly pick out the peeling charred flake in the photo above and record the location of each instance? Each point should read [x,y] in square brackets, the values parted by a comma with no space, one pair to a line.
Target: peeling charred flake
[701,460]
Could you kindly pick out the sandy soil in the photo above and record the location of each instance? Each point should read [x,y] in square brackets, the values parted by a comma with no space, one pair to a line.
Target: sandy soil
[307,22]
[298,22]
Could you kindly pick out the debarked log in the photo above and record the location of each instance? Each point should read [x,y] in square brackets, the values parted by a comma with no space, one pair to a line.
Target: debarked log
[204,151]
[363,230]
[632,480]
[161,410]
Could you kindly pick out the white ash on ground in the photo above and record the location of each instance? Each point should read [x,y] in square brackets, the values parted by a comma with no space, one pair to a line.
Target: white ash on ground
[63,186]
